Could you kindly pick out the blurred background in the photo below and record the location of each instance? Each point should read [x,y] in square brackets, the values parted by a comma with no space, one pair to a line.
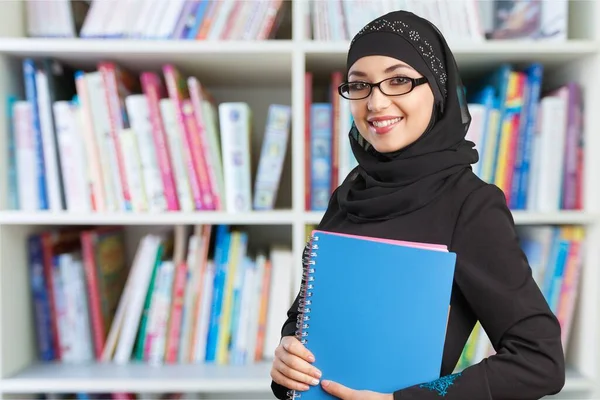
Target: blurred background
[162,163]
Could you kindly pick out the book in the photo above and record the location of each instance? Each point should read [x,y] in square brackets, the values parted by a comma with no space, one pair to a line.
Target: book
[374,311]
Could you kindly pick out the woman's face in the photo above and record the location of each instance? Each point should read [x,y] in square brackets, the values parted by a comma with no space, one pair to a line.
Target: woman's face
[390,123]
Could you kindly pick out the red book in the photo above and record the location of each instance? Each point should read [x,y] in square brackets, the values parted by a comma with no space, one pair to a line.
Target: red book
[154,91]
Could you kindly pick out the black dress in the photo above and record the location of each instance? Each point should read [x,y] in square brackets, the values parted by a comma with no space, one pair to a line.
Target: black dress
[493,284]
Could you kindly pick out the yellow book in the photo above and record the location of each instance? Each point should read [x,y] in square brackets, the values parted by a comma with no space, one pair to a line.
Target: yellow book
[505,135]
[236,253]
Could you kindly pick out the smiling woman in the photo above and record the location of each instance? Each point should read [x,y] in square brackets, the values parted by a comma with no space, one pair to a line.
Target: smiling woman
[414,182]
[393,112]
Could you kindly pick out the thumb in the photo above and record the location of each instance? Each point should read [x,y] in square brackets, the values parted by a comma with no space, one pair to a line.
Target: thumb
[338,390]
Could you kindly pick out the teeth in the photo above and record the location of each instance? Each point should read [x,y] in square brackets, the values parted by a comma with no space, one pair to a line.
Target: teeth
[388,122]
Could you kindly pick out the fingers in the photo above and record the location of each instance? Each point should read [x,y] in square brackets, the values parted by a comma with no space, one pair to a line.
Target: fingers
[294,346]
[284,381]
[294,373]
[291,366]
[293,354]
[338,390]
[296,363]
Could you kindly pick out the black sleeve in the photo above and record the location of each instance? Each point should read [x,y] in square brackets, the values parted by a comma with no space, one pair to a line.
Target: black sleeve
[493,274]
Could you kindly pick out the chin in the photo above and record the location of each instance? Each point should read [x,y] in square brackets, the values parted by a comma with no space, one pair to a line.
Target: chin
[389,142]
[387,146]
[388,149]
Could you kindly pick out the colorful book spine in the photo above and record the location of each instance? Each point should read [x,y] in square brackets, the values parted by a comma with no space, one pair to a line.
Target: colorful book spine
[272,156]
[41,301]
[29,70]
[320,149]
[534,78]
[177,92]
[222,246]
[176,314]
[151,86]
[187,187]
[111,75]
[96,178]
[235,121]
[210,148]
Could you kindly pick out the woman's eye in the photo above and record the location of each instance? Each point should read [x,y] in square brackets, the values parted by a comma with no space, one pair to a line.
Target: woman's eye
[357,86]
[400,81]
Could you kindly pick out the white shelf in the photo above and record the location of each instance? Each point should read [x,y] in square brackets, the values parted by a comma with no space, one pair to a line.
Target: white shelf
[57,46]
[230,63]
[325,56]
[565,50]
[520,217]
[61,378]
[555,218]
[130,218]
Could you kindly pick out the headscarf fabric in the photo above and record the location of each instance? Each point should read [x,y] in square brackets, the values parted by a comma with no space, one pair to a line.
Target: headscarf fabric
[385,185]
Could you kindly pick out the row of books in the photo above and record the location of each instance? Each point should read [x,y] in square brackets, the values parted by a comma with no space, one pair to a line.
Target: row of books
[471,20]
[530,140]
[106,140]
[159,20]
[555,254]
[189,296]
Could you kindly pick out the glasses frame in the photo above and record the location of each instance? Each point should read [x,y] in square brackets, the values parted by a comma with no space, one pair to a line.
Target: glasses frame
[414,83]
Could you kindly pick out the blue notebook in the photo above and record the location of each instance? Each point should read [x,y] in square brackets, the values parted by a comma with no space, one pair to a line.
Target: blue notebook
[375,311]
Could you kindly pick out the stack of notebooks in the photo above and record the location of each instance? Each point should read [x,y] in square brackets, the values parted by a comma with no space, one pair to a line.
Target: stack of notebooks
[374,312]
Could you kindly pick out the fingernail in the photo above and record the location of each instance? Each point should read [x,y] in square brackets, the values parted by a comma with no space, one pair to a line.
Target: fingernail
[318,373]
[325,383]
[315,382]
[311,358]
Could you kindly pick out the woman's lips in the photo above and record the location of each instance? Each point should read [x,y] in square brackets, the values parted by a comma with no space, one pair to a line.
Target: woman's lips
[382,126]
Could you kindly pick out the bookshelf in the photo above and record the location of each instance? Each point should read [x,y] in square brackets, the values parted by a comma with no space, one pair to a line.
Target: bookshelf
[262,73]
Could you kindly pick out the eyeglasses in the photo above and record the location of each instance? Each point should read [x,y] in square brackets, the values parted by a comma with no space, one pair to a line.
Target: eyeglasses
[395,86]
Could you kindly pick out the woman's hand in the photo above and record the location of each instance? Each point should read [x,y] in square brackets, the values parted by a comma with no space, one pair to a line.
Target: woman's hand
[292,365]
[344,393]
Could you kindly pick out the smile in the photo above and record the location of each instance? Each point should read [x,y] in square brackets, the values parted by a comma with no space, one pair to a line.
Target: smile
[387,122]
[382,127]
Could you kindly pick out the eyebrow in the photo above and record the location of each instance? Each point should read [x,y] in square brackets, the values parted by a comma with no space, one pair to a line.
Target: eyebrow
[387,70]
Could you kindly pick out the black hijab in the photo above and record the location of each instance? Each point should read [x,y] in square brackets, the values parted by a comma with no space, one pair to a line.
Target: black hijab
[385,185]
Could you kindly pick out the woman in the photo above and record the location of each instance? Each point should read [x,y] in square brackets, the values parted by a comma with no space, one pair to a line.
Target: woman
[414,182]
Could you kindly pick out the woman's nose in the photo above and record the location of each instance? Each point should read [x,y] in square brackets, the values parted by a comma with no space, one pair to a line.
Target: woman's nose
[377,100]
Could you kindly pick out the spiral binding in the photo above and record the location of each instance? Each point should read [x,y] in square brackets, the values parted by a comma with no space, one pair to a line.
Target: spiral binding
[302,320]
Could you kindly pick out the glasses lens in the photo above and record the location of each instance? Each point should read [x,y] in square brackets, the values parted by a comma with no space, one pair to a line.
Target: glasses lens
[396,86]
[355,90]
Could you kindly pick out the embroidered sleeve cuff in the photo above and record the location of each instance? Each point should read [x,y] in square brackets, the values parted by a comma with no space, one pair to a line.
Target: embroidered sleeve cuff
[468,384]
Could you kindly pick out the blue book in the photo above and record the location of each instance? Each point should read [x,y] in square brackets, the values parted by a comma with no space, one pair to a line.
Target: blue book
[321,115]
[375,311]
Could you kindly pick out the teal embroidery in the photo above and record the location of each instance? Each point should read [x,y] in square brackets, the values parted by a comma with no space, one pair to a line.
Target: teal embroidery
[441,385]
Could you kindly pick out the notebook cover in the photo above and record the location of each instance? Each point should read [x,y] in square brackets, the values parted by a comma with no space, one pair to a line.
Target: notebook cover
[439,247]
[376,312]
